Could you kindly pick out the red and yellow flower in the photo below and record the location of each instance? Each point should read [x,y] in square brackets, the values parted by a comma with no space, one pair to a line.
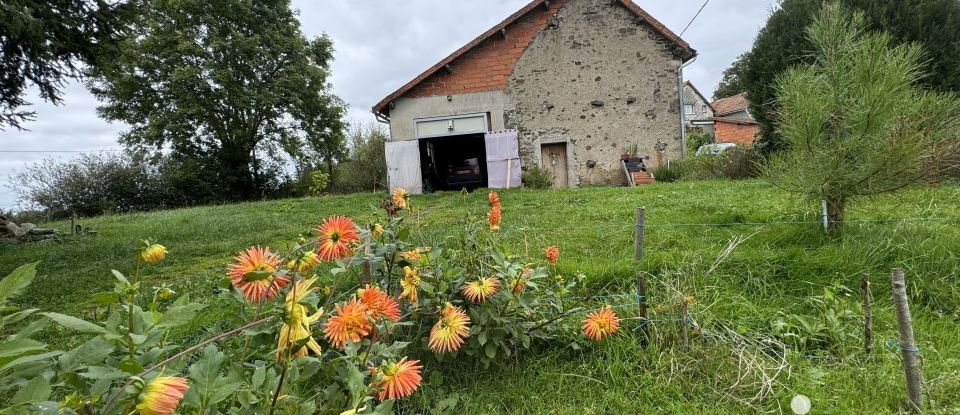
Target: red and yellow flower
[336,235]
[494,199]
[162,395]
[448,333]
[410,284]
[494,217]
[398,380]
[252,274]
[304,263]
[379,304]
[349,323]
[154,253]
[600,324]
[480,290]
[296,325]
[553,254]
[401,198]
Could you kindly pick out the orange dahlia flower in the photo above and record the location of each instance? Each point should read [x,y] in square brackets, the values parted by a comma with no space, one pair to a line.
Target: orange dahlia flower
[494,199]
[305,263]
[401,198]
[410,284]
[336,234]
[493,218]
[296,324]
[448,334]
[162,395]
[553,254]
[600,324]
[379,304]
[350,323]
[480,290]
[154,253]
[398,379]
[252,274]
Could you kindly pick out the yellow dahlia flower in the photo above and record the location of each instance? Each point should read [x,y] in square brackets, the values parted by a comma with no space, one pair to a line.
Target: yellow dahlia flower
[296,324]
[162,395]
[154,253]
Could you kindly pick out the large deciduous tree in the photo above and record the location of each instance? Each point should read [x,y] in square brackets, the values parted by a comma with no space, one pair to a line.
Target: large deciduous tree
[781,43]
[856,120]
[46,43]
[231,82]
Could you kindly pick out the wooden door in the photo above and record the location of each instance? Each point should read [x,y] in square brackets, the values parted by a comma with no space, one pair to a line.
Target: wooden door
[403,165]
[553,158]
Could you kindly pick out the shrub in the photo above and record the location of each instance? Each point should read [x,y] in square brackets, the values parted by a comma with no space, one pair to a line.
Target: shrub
[365,168]
[697,138]
[536,177]
[673,171]
[355,340]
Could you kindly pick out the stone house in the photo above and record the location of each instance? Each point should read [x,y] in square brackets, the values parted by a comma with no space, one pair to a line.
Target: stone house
[697,112]
[733,122]
[567,85]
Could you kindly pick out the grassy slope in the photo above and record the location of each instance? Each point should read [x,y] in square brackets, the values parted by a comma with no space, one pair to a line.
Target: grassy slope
[774,271]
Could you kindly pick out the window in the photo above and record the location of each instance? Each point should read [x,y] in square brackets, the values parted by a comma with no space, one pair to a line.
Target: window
[688,109]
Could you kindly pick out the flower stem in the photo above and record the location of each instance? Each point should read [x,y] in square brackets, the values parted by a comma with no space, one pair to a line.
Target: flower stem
[276,394]
[185,352]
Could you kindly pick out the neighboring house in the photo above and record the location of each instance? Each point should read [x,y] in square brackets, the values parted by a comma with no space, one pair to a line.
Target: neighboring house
[697,111]
[733,122]
[568,85]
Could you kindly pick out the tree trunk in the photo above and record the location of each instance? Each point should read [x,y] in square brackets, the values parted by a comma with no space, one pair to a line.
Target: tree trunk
[835,209]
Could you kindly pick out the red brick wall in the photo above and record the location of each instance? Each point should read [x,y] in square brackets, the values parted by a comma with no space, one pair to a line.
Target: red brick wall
[742,134]
[488,65]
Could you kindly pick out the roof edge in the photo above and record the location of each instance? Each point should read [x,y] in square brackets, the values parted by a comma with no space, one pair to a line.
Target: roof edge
[683,46]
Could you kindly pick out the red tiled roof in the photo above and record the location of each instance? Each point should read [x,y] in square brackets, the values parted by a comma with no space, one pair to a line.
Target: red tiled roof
[730,105]
[733,120]
[688,52]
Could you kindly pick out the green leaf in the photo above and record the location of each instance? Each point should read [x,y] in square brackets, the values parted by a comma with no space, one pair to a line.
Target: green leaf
[482,337]
[37,390]
[179,315]
[19,347]
[16,281]
[28,359]
[257,276]
[207,387]
[259,374]
[131,366]
[94,351]
[76,324]
[119,276]
[490,350]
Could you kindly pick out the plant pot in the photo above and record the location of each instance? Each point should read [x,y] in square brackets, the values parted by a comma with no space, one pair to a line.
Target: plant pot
[624,157]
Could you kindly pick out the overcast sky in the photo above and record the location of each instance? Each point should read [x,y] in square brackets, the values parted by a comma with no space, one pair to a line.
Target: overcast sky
[381,45]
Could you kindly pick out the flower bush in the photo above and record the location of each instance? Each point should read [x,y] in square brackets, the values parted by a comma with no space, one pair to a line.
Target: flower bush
[353,339]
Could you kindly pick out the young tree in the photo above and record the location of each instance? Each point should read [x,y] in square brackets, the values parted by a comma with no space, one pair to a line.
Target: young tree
[732,83]
[856,120]
[782,43]
[232,82]
[46,43]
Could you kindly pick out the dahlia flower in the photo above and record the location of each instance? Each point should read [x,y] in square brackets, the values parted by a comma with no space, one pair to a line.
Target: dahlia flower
[162,395]
[600,324]
[494,199]
[376,230]
[493,218]
[252,274]
[350,323]
[379,304]
[553,254]
[410,284]
[305,263]
[296,324]
[401,198]
[336,234]
[480,290]
[154,253]
[448,333]
[398,380]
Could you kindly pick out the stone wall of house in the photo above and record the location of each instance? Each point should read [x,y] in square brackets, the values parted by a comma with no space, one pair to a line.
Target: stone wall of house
[600,80]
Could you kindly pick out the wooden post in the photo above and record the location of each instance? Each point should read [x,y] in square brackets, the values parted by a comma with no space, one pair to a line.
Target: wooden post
[907,346]
[642,304]
[867,314]
[638,239]
[684,305]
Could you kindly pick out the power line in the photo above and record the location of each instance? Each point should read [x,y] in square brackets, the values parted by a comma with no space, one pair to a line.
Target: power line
[694,17]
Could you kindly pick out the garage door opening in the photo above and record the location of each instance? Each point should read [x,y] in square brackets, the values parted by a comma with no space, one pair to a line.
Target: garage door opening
[453,162]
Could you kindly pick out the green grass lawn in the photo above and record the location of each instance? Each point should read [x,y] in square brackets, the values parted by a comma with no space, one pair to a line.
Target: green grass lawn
[777,272]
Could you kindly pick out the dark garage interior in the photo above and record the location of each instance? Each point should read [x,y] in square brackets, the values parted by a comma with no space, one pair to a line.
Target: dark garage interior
[453,162]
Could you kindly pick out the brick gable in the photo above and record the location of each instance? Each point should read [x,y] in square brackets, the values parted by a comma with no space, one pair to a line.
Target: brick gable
[487,66]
